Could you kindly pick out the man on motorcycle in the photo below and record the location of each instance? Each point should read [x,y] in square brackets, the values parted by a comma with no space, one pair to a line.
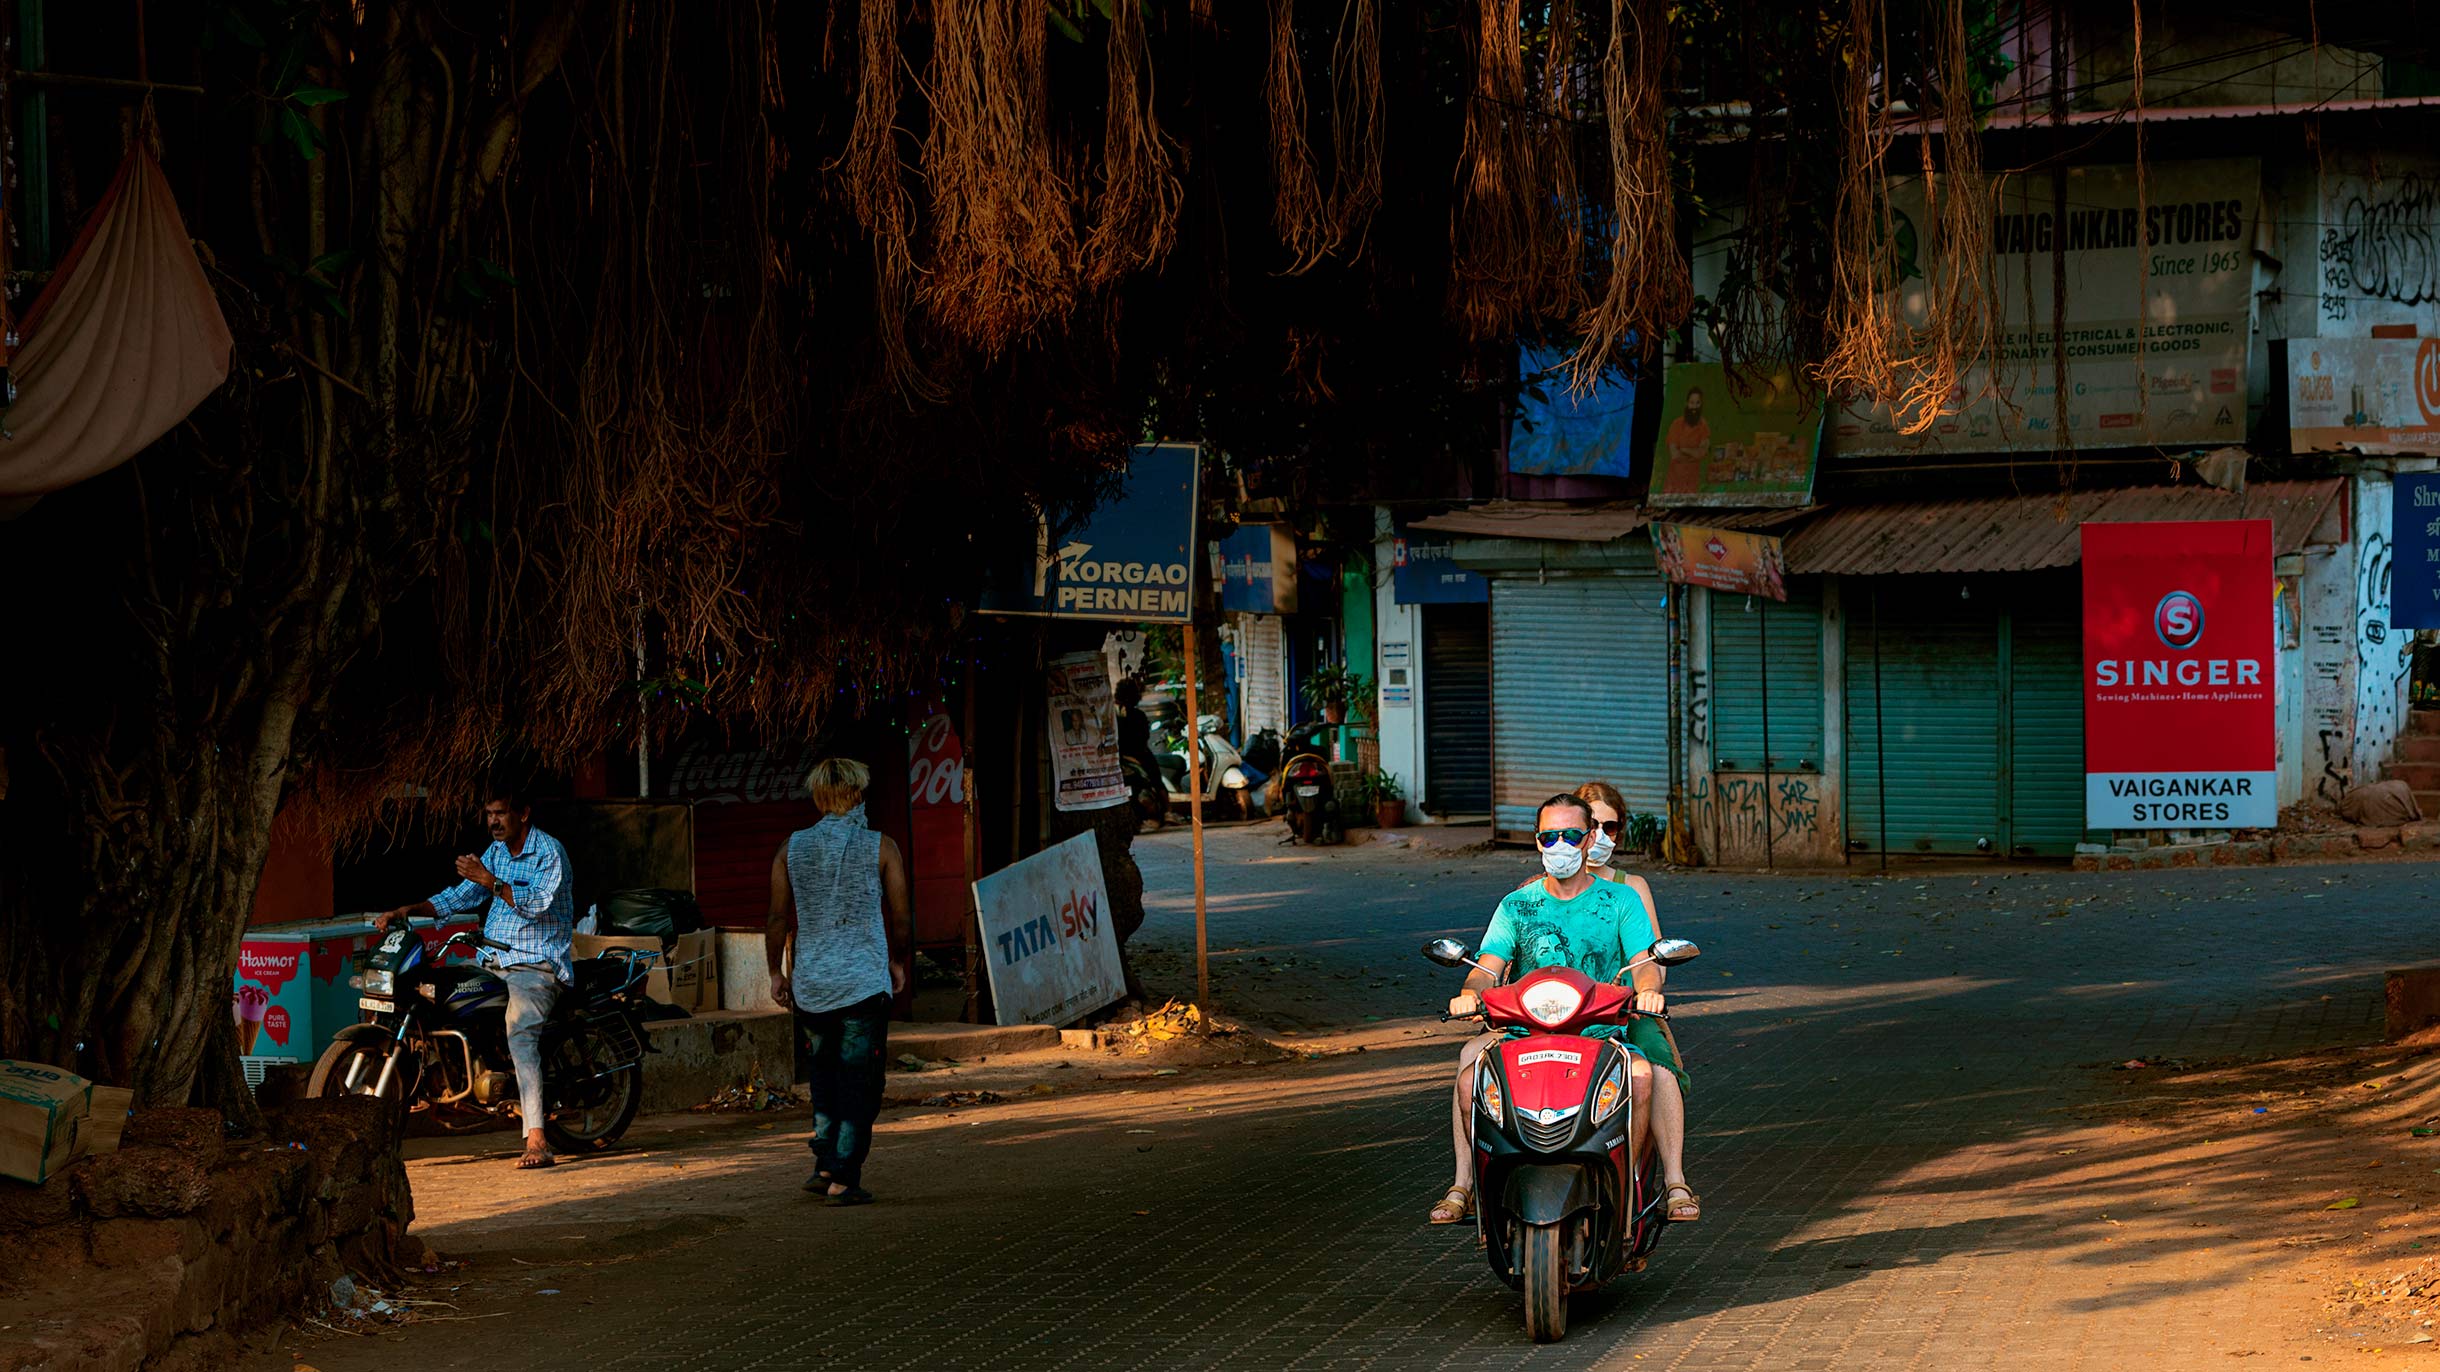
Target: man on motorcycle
[1569,918]
[521,885]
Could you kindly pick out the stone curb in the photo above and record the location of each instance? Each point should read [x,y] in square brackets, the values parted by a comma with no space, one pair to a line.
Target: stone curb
[2320,847]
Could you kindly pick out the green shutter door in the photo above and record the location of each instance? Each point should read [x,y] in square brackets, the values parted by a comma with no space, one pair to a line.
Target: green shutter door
[1579,692]
[1794,631]
[2046,720]
[1939,716]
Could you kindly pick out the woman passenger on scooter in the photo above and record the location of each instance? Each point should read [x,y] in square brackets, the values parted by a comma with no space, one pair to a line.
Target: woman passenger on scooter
[1650,1035]
[1570,918]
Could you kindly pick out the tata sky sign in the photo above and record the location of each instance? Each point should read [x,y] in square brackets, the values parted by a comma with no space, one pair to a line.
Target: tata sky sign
[2180,727]
[1133,558]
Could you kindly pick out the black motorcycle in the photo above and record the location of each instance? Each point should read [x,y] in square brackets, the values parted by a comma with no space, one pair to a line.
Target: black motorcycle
[436,1035]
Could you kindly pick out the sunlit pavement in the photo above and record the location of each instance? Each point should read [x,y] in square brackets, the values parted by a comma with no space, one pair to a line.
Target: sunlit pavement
[1893,1082]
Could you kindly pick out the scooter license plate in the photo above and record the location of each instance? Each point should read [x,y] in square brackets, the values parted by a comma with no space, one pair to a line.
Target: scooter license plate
[1307,791]
[381,1003]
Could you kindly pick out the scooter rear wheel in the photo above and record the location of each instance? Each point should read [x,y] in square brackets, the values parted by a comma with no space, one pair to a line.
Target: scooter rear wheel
[1544,1264]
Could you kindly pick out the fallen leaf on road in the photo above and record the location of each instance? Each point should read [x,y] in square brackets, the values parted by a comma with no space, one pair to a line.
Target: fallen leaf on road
[2348,1204]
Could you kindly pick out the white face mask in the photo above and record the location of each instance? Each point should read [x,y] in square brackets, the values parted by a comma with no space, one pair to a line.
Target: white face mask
[1599,848]
[1563,860]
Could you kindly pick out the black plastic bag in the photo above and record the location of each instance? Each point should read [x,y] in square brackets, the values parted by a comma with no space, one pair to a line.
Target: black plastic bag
[650,912]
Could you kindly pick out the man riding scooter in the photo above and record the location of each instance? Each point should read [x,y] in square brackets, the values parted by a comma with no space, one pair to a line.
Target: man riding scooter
[1569,918]
[521,884]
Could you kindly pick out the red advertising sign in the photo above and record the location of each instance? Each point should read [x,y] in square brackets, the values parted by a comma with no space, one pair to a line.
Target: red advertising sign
[2180,720]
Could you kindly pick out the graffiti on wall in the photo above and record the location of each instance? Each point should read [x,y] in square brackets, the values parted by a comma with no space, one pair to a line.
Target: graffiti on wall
[2383,656]
[2378,244]
[1698,706]
[1756,814]
[2328,611]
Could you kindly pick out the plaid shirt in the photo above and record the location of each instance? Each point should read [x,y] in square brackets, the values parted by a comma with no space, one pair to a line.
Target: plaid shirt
[540,926]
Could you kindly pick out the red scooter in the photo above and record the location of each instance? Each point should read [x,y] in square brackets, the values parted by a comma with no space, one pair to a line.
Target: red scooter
[1563,1203]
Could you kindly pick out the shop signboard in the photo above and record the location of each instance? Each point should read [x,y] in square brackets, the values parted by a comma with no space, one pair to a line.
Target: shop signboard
[2366,395]
[2180,723]
[2172,251]
[1722,559]
[1717,447]
[1085,770]
[1557,432]
[1132,559]
[1424,571]
[2414,575]
[1258,570]
[1047,940]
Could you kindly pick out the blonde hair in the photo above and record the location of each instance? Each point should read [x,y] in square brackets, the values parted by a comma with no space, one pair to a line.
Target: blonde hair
[838,783]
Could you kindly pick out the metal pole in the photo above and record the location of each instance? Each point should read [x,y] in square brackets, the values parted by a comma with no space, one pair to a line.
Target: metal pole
[1677,840]
[1880,741]
[1194,812]
[1770,824]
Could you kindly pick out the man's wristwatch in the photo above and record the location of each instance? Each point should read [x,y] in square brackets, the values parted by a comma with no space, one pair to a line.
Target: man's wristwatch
[500,889]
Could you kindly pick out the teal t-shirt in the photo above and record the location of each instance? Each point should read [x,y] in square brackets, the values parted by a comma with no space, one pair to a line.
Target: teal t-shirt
[1603,929]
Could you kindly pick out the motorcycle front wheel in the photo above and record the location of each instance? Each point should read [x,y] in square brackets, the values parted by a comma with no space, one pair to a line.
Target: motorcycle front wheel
[352,1067]
[594,1111]
[1544,1263]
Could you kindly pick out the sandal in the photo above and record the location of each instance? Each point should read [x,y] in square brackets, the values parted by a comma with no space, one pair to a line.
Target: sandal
[1681,1211]
[853,1195]
[1455,1206]
[536,1156]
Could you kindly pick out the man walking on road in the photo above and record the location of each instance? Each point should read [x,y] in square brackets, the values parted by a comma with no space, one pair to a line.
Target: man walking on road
[521,885]
[839,892]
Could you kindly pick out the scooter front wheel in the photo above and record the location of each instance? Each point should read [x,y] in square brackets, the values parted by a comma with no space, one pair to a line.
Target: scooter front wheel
[1544,1263]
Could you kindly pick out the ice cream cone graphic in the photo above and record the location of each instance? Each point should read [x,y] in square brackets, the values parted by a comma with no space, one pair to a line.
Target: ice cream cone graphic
[249,1003]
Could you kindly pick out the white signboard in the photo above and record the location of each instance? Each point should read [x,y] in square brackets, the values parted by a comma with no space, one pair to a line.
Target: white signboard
[1047,939]
[1085,770]
[2176,260]
[2368,395]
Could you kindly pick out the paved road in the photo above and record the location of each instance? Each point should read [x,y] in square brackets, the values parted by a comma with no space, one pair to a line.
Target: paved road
[1890,1133]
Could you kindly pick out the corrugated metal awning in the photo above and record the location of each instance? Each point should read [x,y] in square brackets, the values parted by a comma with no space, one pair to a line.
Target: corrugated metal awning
[1540,519]
[1561,522]
[2030,532]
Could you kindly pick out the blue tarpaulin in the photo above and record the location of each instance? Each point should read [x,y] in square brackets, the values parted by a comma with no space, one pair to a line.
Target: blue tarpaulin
[1558,434]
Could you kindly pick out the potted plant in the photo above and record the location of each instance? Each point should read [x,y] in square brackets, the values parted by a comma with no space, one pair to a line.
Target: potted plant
[1330,688]
[1389,801]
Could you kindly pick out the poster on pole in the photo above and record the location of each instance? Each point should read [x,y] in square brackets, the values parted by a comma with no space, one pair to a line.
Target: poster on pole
[2180,725]
[2365,395]
[1083,732]
[2172,254]
[1047,940]
[2414,576]
[1722,559]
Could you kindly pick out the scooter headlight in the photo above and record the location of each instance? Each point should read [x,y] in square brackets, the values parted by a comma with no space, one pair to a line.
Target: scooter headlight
[1613,1091]
[1551,1002]
[1487,1090]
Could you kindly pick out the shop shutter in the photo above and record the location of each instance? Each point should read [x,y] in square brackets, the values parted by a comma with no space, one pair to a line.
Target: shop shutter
[1457,709]
[2046,717]
[1579,692]
[1794,633]
[1939,715]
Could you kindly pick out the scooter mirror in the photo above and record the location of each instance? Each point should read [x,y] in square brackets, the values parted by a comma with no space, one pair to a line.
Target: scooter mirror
[1448,952]
[1669,952]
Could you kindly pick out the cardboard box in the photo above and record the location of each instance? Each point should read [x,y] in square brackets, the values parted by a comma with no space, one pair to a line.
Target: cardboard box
[106,1118]
[43,1112]
[687,974]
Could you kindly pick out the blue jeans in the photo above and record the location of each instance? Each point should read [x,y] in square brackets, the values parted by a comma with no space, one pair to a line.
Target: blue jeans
[532,991]
[845,1055]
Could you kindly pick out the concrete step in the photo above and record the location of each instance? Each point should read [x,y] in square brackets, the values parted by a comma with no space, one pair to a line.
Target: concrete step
[2426,722]
[2420,776]
[2429,803]
[697,1059]
[2419,747]
[969,1042]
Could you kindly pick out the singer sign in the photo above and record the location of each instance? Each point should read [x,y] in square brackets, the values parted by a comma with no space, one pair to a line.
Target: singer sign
[2180,719]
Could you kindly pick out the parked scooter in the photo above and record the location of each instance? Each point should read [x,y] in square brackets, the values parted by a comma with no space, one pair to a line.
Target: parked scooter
[436,1035]
[1228,779]
[1566,1185]
[1305,795]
